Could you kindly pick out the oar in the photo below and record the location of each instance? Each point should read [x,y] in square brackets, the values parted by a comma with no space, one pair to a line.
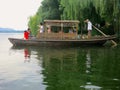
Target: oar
[115,44]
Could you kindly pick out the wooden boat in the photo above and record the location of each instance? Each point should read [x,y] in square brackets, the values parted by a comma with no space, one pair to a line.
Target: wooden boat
[38,42]
[60,35]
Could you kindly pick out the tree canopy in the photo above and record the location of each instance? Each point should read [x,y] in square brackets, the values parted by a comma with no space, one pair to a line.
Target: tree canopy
[103,12]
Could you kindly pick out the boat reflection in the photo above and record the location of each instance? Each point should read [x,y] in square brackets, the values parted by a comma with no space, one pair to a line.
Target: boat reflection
[74,68]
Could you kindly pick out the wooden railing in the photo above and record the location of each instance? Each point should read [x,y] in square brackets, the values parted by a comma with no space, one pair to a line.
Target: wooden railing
[57,36]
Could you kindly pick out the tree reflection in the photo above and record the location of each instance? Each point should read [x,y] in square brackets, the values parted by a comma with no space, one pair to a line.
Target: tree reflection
[88,68]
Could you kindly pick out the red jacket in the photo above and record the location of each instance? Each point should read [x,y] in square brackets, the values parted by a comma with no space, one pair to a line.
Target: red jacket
[26,35]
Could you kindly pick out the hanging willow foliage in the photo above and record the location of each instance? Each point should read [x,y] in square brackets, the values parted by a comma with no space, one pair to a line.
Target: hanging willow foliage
[98,11]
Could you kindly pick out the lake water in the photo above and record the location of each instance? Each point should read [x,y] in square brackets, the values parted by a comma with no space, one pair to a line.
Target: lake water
[48,68]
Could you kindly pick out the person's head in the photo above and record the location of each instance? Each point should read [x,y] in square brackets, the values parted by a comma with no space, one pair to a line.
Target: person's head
[41,23]
[28,29]
[87,20]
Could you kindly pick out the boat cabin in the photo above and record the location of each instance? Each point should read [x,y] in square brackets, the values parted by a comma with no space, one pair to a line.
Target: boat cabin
[60,33]
[59,30]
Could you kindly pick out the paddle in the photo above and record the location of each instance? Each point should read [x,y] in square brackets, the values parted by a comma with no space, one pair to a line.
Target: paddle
[115,44]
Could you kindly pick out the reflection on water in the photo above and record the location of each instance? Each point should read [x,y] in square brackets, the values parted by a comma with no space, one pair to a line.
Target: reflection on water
[88,61]
[27,55]
[84,68]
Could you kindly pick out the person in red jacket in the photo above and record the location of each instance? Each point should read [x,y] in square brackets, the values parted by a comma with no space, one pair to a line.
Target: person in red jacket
[27,34]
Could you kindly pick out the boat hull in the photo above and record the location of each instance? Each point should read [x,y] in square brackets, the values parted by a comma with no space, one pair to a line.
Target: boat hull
[38,42]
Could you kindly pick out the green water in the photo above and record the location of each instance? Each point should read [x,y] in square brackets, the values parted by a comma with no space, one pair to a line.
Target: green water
[53,68]
[80,68]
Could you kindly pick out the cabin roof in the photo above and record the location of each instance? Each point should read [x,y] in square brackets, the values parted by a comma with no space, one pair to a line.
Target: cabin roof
[61,21]
[66,23]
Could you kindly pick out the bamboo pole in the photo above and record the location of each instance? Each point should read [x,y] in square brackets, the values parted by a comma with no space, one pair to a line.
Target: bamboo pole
[115,44]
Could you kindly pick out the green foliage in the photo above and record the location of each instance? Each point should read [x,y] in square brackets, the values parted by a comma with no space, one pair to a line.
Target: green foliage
[50,9]
[98,11]
[33,25]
